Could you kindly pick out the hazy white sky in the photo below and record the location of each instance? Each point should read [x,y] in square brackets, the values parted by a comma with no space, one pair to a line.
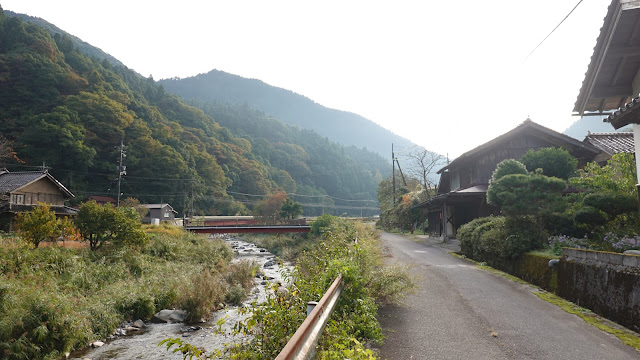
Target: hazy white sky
[448,75]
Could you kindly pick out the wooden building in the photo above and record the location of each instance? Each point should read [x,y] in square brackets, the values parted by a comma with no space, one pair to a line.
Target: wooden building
[612,82]
[463,183]
[22,191]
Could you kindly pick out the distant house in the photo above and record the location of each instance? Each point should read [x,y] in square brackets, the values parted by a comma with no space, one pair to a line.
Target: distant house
[102,200]
[461,195]
[610,143]
[162,212]
[22,191]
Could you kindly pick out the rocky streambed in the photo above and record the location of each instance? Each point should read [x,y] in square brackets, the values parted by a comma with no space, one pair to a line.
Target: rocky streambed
[138,340]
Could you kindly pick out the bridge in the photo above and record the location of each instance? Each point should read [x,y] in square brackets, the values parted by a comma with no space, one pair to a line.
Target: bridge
[269,229]
[243,224]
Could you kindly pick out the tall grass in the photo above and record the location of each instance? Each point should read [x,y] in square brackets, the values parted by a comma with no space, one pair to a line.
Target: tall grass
[54,300]
[341,247]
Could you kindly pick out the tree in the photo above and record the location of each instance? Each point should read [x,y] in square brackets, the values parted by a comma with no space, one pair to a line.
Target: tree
[269,208]
[6,150]
[508,167]
[290,209]
[41,224]
[422,165]
[553,161]
[526,194]
[135,205]
[107,224]
[618,175]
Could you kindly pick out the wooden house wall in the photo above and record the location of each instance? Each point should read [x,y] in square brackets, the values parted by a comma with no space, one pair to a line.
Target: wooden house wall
[479,169]
[43,191]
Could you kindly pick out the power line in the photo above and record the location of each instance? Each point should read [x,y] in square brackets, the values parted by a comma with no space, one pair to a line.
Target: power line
[552,31]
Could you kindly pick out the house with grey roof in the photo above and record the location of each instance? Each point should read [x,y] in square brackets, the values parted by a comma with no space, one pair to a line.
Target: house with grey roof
[159,213]
[610,143]
[22,191]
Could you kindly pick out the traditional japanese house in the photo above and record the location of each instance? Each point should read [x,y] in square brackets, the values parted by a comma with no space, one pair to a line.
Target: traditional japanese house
[22,191]
[461,195]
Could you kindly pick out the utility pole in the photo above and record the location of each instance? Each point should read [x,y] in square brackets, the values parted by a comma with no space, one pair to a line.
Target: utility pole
[122,170]
[404,181]
[393,174]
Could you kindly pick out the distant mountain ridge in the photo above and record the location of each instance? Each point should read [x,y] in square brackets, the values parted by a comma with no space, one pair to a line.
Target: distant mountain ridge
[581,127]
[65,103]
[294,109]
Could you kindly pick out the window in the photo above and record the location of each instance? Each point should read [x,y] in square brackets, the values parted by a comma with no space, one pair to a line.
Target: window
[17,199]
[166,214]
[455,180]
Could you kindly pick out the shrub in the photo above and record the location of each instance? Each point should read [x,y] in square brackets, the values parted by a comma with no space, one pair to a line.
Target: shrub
[558,242]
[235,294]
[613,204]
[557,223]
[622,243]
[202,296]
[241,273]
[499,237]
[508,167]
[591,216]
[556,162]
[526,194]
[41,224]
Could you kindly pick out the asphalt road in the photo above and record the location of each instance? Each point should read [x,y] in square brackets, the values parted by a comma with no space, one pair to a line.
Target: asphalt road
[461,312]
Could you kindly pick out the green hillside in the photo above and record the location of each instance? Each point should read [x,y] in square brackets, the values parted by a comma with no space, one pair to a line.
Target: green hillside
[343,127]
[69,111]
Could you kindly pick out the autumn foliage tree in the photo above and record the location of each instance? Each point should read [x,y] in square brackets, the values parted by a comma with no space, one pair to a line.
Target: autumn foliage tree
[41,224]
[277,207]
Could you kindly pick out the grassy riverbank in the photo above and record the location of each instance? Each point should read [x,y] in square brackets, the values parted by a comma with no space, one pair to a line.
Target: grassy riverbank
[55,299]
[334,246]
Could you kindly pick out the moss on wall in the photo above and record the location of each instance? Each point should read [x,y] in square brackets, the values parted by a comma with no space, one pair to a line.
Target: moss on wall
[607,291]
[532,268]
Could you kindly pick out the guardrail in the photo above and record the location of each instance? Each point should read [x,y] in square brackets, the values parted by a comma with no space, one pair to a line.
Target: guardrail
[302,344]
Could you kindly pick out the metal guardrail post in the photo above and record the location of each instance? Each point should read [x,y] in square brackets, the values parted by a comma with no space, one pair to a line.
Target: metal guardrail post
[302,344]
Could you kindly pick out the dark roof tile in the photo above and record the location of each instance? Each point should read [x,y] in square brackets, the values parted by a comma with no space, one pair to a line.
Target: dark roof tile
[612,142]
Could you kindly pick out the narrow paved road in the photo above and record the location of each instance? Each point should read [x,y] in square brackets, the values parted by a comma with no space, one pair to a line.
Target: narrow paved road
[461,312]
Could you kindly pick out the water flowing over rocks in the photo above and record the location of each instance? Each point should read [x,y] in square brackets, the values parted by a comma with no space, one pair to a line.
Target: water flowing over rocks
[138,340]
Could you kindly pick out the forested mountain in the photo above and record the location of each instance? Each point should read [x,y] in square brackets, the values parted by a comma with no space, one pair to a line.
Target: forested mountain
[344,127]
[69,111]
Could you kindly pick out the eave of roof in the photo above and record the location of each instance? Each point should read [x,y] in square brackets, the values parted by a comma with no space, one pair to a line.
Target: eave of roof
[627,114]
[612,52]
[527,124]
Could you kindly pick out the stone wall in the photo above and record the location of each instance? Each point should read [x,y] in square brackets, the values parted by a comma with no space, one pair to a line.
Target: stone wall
[606,283]
[531,268]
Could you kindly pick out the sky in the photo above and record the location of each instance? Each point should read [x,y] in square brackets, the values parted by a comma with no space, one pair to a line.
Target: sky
[447,75]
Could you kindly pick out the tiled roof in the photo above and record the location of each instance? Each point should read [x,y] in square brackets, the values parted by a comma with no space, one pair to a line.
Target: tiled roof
[612,142]
[10,181]
[528,126]
[625,115]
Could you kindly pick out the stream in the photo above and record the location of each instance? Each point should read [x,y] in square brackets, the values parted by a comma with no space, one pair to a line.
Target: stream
[143,344]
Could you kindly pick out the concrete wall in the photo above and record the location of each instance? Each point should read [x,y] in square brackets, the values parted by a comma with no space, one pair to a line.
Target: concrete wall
[606,283]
